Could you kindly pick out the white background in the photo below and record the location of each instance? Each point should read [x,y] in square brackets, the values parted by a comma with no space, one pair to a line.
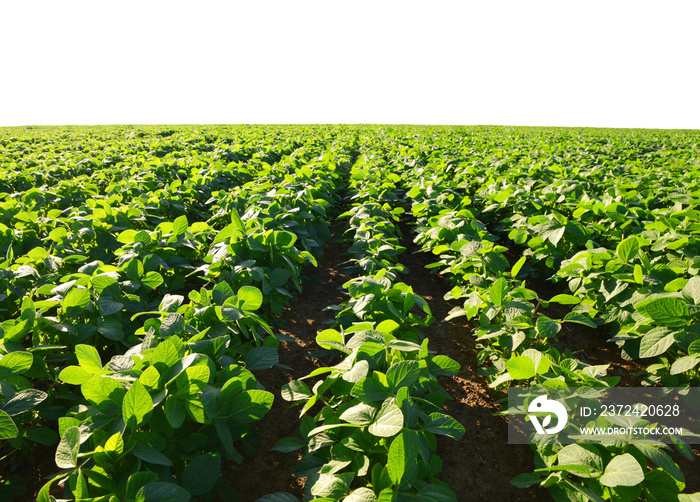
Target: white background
[612,63]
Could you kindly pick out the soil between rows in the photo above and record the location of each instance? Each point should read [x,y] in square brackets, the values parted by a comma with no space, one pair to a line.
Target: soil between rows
[271,471]
[478,467]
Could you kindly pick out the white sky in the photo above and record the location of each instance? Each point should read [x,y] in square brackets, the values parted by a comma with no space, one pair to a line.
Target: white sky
[612,63]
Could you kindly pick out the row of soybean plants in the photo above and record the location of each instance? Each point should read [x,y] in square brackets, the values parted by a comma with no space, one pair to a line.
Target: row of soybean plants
[515,344]
[627,248]
[613,216]
[184,373]
[369,422]
[46,158]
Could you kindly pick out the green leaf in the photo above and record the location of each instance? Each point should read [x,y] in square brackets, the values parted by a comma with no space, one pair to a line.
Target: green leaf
[684,364]
[405,346]
[628,249]
[655,343]
[134,270]
[150,455]
[370,389]
[115,445]
[88,358]
[251,405]
[15,363]
[8,429]
[22,401]
[287,445]
[388,422]
[362,494]
[516,268]
[137,481]
[552,231]
[41,435]
[250,298]
[164,492]
[436,493]
[226,438]
[521,368]
[173,324]
[152,280]
[387,326]
[662,460]
[260,358]
[108,307]
[111,329]
[547,328]
[279,277]
[170,303]
[202,473]
[526,479]
[360,414]
[180,225]
[661,487]
[283,239]
[691,291]
[565,300]
[583,455]
[622,470]
[403,374]
[579,319]
[74,375]
[58,235]
[498,291]
[671,312]
[127,236]
[137,406]
[295,390]
[358,372]
[75,302]
[444,425]
[15,329]
[102,390]
[67,451]
[443,365]
[143,236]
[403,458]
[331,339]
[332,486]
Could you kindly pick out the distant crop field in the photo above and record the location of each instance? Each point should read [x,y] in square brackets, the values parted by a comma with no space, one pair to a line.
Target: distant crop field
[336,313]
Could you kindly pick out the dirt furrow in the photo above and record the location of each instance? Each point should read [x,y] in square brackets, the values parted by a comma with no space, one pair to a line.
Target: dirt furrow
[481,464]
[270,471]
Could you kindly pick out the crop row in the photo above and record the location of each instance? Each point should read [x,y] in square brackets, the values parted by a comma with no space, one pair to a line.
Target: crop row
[515,339]
[377,411]
[184,372]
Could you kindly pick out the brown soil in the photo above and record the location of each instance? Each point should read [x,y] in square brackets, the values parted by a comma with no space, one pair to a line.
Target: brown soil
[271,471]
[480,465]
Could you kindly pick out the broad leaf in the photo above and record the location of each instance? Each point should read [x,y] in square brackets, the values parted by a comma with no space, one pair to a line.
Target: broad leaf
[137,406]
[622,470]
[403,458]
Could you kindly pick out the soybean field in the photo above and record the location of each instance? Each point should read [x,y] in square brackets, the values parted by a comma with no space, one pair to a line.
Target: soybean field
[336,312]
